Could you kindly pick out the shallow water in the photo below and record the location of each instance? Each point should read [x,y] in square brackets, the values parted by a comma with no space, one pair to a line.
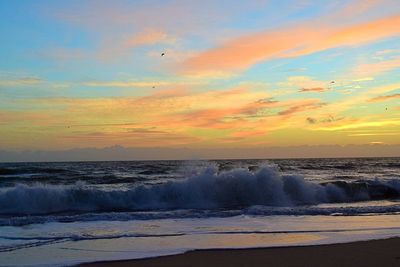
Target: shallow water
[68,243]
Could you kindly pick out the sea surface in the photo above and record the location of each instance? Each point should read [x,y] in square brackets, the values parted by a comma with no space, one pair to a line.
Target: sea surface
[71,212]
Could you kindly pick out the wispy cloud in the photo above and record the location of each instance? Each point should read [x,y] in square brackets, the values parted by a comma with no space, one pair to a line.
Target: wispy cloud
[377,68]
[305,83]
[373,134]
[314,89]
[125,83]
[302,107]
[356,125]
[241,53]
[326,119]
[172,113]
[25,81]
[360,98]
[384,98]
[143,83]
[103,81]
[149,37]
[311,120]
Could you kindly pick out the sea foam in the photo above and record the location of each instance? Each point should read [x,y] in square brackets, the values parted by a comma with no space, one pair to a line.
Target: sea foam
[208,189]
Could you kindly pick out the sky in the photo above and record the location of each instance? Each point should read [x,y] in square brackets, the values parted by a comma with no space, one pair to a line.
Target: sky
[199,74]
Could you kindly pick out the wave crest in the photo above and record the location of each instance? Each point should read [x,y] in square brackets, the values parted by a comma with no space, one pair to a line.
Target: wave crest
[207,190]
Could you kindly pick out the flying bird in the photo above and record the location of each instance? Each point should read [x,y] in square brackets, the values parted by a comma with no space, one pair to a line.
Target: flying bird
[162,54]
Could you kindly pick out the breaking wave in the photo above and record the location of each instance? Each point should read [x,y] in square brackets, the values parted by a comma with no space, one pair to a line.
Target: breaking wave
[235,189]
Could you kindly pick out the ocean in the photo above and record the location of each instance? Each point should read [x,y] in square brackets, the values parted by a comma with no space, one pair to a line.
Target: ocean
[72,212]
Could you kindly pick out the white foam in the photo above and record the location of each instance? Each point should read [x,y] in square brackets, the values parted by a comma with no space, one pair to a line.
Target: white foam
[207,190]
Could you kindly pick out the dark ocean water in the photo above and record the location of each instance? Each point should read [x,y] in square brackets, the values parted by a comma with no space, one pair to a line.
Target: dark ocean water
[140,190]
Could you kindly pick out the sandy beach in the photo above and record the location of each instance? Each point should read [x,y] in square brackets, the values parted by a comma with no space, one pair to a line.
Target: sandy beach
[364,253]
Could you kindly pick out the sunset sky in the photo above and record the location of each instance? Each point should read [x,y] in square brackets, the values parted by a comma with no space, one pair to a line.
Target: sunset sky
[239,74]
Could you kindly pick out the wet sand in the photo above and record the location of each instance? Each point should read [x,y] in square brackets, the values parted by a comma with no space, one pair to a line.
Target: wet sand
[380,253]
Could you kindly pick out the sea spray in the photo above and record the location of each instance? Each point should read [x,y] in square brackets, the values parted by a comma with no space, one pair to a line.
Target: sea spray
[207,189]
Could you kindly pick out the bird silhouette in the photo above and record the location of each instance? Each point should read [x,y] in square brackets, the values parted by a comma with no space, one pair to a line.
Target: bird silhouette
[162,54]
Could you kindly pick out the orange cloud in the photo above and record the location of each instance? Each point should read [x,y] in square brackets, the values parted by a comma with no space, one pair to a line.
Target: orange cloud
[384,98]
[353,35]
[149,37]
[142,138]
[371,69]
[168,93]
[26,118]
[124,83]
[359,98]
[241,53]
[302,107]
[247,115]
[315,89]
[152,83]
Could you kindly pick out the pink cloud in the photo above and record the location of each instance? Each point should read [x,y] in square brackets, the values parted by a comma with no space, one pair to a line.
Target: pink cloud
[372,69]
[242,52]
[147,37]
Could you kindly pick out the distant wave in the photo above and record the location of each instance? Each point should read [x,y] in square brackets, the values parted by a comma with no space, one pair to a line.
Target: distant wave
[31,170]
[235,189]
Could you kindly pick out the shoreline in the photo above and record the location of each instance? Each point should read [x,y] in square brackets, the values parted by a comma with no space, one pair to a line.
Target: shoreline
[379,252]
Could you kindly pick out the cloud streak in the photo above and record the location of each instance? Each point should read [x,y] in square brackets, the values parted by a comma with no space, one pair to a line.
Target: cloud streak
[314,89]
[384,98]
[125,83]
[243,52]
[25,81]
[377,68]
[149,37]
